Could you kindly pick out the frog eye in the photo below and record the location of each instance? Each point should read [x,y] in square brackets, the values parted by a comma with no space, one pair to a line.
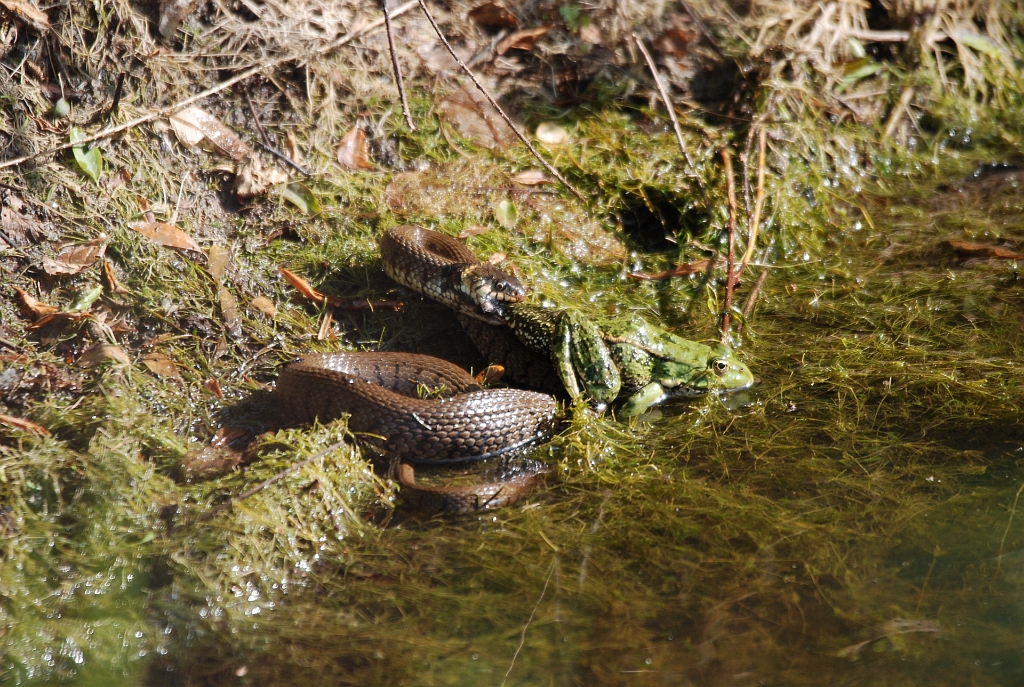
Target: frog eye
[719,366]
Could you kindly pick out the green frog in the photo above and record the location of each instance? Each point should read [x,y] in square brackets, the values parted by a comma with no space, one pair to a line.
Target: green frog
[629,358]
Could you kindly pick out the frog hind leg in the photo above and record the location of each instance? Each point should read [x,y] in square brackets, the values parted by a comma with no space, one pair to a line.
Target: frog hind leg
[581,344]
[642,400]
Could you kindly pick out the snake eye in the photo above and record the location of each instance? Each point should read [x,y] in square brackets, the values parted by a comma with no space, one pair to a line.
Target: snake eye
[719,366]
[499,287]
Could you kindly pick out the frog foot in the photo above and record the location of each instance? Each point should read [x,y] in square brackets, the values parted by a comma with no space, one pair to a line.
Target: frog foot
[581,355]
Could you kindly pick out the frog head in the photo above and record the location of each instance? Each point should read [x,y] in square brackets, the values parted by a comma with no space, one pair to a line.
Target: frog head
[687,368]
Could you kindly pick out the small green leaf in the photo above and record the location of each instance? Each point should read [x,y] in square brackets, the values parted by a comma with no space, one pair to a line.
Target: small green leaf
[506,214]
[301,197]
[90,160]
[856,48]
[571,15]
[150,536]
[980,43]
[86,299]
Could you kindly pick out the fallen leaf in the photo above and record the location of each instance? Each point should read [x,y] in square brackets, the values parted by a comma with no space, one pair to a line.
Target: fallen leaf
[300,196]
[552,134]
[194,126]
[112,281]
[104,352]
[90,161]
[17,229]
[469,112]
[210,461]
[674,42]
[473,230]
[491,16]
[695,267]
[251,179]
[265,306]
[531,177]
[166,235]
[326,331]
[218,263]
[74,258]
[353,152]
[160,365]
[982,250]
[27,13]
[24,425]
[303,287]
[34,307]
[171,14]
[521,40]
[497,258]
[506,214]
[294,152]
[490,374]
[213,386]
[85,299]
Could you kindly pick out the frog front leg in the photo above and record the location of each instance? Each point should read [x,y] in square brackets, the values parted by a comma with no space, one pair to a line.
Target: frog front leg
[580,353]
[642,400]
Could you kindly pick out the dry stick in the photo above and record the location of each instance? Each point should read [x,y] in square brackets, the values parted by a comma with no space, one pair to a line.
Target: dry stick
[227,83]
[206,515]
[398,70]
[554,172]
[672,116]
[748,308]
[755,220]
[730,280]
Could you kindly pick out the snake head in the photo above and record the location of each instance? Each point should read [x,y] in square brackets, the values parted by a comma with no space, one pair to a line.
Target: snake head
[489,287]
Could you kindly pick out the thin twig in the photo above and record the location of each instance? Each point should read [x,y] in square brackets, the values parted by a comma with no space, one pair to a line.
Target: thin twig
[730,279]
[227,83]
[522,636]
[494,103]
[1013,509]
[748,308]
[206,515]
[116,102]
[672,116]
[755,220]
[397,69]
[266,140]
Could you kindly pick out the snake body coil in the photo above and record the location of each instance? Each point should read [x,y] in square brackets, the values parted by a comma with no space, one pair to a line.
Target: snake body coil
[381,393]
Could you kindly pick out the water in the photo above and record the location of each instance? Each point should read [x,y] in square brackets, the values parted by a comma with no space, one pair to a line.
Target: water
[853,519]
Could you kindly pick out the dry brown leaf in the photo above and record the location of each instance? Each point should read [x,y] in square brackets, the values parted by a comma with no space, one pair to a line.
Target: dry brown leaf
[497,258]
[473,116]
[590,34]
[194,126]
[490,374]
[491,16]
[521,40]
[166,235]
[34,307]
[251,179]
[171,14]
[473,230]
[302,286]
[265,306]
[74,258]
[112,281]
[294,152]
[983,250]
[24,425]
[103,352]
[531,177]
[160,365]
[213,386]
[674,42]
[17,229]
[353,152]
[28,14]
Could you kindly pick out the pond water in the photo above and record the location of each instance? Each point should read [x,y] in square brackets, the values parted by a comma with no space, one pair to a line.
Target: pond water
[851,520]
